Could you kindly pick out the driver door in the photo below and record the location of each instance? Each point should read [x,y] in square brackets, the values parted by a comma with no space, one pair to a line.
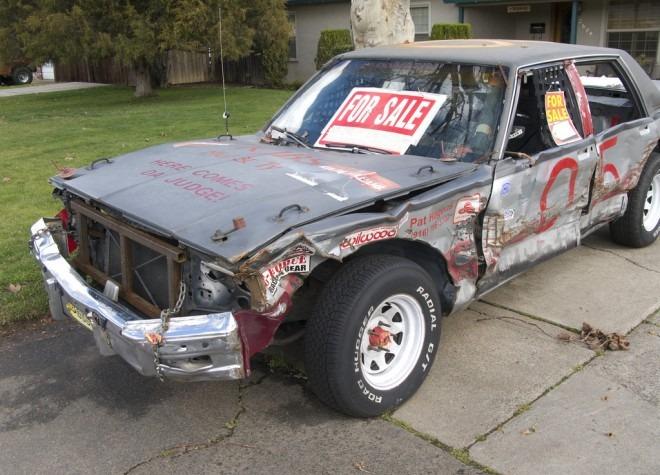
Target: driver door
[541,186]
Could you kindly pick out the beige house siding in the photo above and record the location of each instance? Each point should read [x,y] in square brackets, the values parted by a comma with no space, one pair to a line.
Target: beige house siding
[310,20]
[488,21]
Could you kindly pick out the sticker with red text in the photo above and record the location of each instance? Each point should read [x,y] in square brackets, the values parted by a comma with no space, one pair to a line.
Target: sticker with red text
[382,119]
[367,178]
[296,261]
[368,236]
[467,207]
[559,121]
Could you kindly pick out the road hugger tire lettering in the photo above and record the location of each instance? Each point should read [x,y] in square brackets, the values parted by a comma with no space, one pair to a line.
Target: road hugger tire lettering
[373,335]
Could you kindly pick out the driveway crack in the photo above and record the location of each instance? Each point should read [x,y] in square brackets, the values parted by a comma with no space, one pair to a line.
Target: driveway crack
[635,263]
[185,448]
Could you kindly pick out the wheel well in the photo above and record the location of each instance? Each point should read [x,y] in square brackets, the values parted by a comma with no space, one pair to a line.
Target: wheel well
[428,258]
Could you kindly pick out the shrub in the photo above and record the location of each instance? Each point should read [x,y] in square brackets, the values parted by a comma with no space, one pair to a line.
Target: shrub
[332,43]
[451,31]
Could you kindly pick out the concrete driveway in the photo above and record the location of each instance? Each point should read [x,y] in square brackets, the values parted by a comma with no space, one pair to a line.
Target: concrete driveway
[46,86]
[505,395]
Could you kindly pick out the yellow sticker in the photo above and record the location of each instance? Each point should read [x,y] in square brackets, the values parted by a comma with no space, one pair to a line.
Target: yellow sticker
[79,316]
[559,121]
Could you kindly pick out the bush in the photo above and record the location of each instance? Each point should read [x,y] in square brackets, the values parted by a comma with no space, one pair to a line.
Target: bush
[332,43]
[451,31]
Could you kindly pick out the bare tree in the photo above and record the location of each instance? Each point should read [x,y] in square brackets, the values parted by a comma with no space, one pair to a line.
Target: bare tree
[381,22]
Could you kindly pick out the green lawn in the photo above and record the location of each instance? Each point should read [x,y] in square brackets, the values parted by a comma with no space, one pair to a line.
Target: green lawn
[72,129]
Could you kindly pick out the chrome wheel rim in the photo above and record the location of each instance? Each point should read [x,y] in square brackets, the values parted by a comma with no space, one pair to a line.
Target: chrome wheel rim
[392,341]
[652,204]
[22,77]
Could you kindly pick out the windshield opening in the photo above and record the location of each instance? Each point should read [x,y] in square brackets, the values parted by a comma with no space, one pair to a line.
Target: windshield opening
[439,110]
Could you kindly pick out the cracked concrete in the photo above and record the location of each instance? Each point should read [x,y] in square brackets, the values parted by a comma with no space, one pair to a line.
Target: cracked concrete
[65,409]
[603,419]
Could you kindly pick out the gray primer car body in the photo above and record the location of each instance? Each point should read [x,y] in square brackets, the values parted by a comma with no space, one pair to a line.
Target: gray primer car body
[300,212]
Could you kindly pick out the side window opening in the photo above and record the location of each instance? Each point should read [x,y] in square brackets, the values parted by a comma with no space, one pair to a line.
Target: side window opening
[531,132]
[610,99]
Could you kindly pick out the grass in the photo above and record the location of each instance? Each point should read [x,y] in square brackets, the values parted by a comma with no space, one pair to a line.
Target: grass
[75,127]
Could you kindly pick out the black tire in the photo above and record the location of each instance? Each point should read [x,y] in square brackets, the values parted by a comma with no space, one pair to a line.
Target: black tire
[22,75]
[333,335]
[629,230]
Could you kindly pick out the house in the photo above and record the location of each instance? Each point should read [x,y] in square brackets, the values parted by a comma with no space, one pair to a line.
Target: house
[632,25]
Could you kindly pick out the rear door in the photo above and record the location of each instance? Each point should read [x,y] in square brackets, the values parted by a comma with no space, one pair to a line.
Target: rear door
[541,186]
[624,134]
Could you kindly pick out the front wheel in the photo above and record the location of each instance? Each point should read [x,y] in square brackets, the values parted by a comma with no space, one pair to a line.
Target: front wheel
[373,336]
[640,225]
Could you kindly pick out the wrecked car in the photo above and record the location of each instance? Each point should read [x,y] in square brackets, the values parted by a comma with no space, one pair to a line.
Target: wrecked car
[395,187]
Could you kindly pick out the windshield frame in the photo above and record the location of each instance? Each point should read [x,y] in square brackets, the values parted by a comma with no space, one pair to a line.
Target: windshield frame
[508,74]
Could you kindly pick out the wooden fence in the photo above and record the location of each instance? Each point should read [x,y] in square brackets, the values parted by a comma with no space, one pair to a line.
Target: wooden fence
[183,67]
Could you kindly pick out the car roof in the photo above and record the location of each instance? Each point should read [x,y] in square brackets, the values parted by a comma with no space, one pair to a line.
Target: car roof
[510,53]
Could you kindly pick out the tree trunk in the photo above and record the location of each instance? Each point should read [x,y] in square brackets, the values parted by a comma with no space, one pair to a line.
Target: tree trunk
[381,22]
[142,80]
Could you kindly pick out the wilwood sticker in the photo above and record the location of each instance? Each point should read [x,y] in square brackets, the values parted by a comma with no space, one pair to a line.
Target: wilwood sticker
[370,235]
[297,261]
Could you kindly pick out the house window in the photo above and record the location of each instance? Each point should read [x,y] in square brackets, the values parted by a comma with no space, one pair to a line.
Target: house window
[293,51]
[634,26]
[420,17]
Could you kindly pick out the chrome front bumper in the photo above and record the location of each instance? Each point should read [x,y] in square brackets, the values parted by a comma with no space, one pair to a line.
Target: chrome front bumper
[194,348]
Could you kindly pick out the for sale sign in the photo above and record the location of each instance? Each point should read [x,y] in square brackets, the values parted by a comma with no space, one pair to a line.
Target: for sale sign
[380,118]
[559,121]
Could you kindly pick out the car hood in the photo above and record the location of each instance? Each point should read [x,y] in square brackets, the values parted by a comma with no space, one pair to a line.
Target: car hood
[191,191]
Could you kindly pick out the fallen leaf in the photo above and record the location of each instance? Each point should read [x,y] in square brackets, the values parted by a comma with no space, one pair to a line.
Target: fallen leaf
[68,159]
[604,398]
[564,336]
[610,434]
[6,179]
[14,288]
[360,466]
[529,431]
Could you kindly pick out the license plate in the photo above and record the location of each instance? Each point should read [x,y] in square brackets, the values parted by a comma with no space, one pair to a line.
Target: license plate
[78,315]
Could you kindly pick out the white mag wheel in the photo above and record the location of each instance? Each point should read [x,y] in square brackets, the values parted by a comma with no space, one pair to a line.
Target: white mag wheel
[652,204]
[393,340]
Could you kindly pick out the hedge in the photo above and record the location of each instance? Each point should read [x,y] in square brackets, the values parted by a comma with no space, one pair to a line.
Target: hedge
[451,31]
[332,43]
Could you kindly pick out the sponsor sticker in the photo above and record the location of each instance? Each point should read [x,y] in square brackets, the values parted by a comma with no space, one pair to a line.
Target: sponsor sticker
[367,178]
[509,214]
[506,188]
[297,261]
[382,118]
[561,126]
[78,315]
[467,207]
[361,238]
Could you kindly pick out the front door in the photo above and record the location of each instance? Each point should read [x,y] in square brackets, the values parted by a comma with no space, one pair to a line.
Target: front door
[541,186]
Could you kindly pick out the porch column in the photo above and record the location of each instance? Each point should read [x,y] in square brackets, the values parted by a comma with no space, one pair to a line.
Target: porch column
[574,14]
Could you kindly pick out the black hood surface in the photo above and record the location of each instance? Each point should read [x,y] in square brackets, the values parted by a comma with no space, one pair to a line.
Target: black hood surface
[189,190]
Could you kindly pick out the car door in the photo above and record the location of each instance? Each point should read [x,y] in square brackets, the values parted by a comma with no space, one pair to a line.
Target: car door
[625,137]
[541,186]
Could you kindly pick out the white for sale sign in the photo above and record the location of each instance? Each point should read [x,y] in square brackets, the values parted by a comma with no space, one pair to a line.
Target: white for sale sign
[381,118]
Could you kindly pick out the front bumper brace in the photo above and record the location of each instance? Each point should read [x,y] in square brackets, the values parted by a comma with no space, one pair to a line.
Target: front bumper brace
[194,348]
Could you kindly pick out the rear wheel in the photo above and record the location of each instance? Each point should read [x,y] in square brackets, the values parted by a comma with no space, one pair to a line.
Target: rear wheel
[22,75]
[640,225]
[373,336]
